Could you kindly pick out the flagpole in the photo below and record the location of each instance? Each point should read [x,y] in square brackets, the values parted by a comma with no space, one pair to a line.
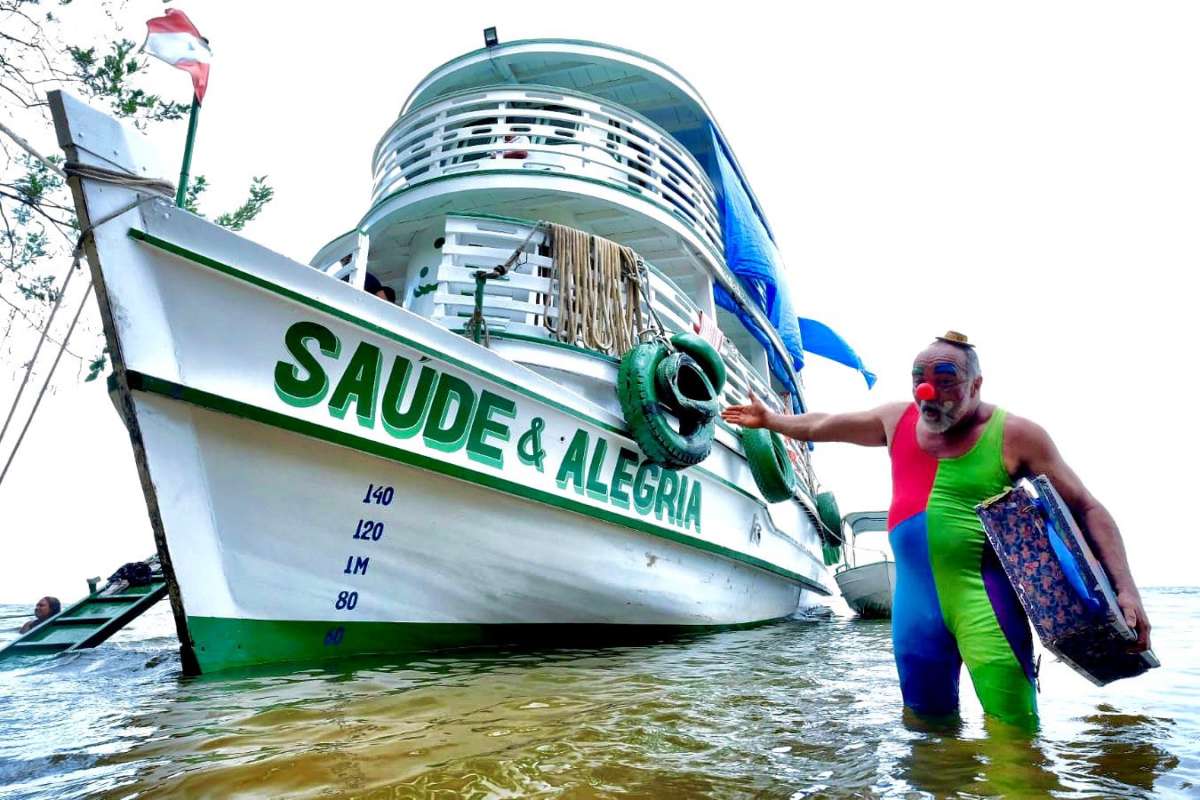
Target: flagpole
[181,193]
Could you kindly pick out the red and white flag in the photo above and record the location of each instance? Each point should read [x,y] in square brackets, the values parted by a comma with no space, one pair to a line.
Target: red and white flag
[175,40]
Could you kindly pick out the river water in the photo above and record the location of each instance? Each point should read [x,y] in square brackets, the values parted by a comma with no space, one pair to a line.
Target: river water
[804,708]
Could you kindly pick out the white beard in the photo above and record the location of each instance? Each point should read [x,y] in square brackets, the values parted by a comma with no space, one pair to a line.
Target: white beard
[942,422]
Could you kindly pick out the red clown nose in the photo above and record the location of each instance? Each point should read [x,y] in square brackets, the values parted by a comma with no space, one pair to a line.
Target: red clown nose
[926,392]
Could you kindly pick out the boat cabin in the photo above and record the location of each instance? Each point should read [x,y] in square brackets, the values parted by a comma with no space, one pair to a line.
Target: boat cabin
[494,146]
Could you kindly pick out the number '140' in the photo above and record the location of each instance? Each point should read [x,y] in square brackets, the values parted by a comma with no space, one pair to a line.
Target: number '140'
[379,495]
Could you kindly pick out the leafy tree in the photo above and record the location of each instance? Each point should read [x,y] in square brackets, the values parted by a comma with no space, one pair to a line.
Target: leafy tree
[37,220]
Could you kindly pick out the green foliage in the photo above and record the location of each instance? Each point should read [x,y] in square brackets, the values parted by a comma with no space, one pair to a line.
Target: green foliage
[38,180]
[24,239]
[192,194]
[260,195]
[110,79]
[40,51]
[96,365]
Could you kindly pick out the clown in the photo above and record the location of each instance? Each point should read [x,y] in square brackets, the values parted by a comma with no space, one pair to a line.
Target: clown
[953,604]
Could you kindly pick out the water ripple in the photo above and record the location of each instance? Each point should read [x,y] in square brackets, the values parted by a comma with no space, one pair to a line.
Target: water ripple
[794,710]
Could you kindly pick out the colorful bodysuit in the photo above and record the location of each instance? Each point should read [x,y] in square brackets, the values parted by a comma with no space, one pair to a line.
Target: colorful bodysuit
[953,603]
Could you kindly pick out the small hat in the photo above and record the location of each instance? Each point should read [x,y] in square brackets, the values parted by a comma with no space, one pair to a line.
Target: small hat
[955,338]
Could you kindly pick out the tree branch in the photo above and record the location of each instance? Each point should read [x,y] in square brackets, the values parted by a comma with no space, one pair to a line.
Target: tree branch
[61,226]
[28,148]
[17,310]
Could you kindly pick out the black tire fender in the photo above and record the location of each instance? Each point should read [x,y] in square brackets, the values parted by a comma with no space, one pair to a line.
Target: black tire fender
[682,383]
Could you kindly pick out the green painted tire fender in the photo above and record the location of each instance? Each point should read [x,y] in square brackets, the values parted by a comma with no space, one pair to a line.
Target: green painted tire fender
[682,384]
[769,463]
[704,353]
[831,517]
[646,412]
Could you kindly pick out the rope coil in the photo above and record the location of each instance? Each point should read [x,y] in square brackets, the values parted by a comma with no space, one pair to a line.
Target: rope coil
[600,292]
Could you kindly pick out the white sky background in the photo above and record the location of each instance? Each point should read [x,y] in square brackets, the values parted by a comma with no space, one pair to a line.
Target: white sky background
[1027,173]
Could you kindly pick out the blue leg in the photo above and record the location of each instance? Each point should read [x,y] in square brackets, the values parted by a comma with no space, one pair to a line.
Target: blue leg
[926,655]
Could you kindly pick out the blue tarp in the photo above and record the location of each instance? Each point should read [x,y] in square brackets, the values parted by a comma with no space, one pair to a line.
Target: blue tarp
[822,340]
[752,256]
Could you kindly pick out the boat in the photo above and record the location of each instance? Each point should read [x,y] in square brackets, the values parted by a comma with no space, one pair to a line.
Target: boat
[331,474]
[94,619]
[866,587]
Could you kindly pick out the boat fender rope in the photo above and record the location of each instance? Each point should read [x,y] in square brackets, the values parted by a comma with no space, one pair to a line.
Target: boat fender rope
[477,327]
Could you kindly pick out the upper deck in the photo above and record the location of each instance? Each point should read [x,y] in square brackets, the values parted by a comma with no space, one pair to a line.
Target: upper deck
[590,136]
[624,77]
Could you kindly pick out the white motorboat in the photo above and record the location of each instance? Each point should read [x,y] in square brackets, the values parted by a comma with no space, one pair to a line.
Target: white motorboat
[867,586]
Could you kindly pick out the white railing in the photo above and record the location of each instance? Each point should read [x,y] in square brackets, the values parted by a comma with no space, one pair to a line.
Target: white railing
[547,130]
[524,303]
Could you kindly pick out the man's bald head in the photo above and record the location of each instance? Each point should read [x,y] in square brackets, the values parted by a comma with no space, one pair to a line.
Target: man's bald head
[960,352]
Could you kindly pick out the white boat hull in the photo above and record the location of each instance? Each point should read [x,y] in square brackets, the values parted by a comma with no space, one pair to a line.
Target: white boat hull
[868,588]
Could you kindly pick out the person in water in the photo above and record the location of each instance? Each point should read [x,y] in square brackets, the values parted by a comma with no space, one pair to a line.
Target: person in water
[953,603]
[46,608]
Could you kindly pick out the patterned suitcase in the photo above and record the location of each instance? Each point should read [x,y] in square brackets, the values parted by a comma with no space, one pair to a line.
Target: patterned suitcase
[1062,586]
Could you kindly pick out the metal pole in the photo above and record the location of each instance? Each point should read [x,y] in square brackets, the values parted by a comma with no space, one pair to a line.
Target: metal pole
[181,192]
[477,318]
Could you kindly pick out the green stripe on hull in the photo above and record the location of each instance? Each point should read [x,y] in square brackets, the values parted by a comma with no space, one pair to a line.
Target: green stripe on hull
[223,643]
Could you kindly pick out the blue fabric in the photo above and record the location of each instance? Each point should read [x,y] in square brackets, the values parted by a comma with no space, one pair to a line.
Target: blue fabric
[752,256]
[821,340]
[926,654]
[1067,562]
[774,359]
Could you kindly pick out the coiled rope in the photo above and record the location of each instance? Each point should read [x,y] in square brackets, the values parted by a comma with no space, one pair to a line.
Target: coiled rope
[153,188]
[600,291]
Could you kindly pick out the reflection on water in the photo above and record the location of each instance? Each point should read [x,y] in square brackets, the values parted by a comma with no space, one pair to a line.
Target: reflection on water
[1129,745]
[792,710]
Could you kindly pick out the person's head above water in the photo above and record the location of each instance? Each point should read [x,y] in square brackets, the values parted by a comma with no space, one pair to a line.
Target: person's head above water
[47,607]
[950,367]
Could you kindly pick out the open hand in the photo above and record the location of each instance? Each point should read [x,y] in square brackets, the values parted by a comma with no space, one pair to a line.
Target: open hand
[1135,617]
[753,415]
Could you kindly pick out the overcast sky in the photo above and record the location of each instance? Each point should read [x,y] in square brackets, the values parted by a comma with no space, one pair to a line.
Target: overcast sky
[1026,173]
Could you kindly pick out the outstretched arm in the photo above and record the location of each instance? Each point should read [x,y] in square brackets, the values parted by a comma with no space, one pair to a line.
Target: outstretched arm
[867,428]
[1036,454]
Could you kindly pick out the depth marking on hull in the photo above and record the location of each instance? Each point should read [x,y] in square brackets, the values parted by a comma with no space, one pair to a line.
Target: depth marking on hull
[147,383]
